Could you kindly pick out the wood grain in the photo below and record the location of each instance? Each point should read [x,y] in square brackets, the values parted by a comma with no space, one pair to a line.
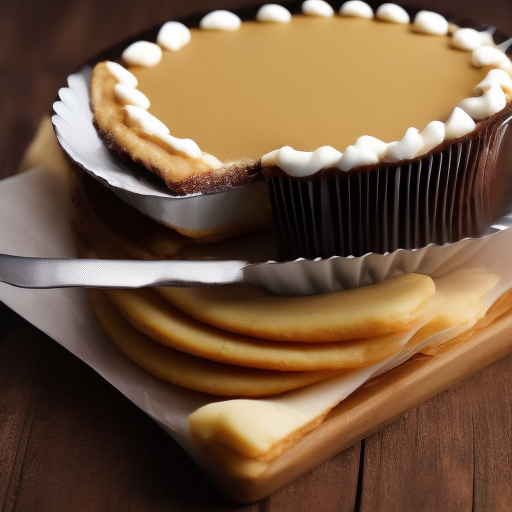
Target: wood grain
[68,441]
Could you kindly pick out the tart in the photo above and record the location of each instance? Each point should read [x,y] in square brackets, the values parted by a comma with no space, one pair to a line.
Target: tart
[324,104]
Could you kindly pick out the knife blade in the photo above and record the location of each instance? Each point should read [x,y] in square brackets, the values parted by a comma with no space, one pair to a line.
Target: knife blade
[29,272]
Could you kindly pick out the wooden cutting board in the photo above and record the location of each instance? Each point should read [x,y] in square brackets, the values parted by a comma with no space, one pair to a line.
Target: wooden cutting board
[379,402]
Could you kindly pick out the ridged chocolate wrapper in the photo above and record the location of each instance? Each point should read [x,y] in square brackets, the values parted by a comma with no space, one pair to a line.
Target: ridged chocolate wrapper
[455,191]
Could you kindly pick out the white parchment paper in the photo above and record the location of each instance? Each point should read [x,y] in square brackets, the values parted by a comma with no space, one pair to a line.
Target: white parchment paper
[34,221]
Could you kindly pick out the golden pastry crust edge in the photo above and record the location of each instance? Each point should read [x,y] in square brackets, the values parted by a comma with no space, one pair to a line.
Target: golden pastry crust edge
[182,174]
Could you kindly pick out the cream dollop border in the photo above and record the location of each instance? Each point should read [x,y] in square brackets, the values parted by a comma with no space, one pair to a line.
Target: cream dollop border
[491,95]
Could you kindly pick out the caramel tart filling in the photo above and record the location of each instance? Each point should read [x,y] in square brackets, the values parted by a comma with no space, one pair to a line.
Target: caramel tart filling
[310,83]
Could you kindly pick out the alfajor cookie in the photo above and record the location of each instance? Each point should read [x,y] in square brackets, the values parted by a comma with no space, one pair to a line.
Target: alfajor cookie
[377,310]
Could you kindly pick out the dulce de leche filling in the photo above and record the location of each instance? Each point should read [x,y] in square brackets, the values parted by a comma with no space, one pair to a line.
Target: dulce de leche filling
[310,83]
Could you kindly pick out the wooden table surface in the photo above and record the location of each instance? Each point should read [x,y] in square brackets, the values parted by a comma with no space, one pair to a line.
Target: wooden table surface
[69,441]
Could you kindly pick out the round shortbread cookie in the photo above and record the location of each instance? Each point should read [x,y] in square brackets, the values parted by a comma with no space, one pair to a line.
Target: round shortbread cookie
[161,321]
[193,372]
[376,310]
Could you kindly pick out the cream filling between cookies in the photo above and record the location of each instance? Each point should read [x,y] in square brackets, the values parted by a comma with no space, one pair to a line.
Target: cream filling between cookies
[180,75]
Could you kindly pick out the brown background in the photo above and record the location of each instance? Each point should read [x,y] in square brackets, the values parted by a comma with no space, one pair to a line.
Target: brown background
[68,441]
